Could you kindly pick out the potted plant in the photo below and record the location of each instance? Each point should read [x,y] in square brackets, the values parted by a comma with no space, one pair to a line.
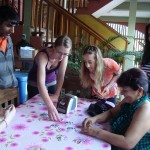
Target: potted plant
[72,79]
[119,55]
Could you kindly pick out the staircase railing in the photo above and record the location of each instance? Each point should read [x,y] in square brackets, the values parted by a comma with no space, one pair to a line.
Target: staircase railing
[17,4]
[72,5]
[51,20]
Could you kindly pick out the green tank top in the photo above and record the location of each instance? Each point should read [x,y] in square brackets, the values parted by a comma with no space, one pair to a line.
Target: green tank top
[122,120]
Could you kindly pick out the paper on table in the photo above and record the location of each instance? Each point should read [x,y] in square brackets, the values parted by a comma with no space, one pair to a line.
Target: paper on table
[6,116]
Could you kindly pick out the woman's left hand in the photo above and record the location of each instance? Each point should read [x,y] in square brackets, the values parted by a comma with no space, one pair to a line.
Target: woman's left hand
[54,97]
[103,93]
[98,93]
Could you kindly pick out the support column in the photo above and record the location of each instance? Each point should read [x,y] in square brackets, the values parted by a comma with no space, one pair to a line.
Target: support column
[129,60]
[27,18]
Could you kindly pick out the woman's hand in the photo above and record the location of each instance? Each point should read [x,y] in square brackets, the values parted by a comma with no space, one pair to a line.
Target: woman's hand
[105,91]
[101,93]
[98,93]
[91,130]
[88,121]
[53,114]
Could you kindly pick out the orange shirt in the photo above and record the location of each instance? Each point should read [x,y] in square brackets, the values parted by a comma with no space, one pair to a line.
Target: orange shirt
[111,67]
[3,43]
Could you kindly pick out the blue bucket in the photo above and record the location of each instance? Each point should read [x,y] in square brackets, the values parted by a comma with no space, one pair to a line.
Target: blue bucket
[22,84]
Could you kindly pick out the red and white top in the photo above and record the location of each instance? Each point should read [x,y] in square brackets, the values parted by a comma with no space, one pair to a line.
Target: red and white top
[111,67]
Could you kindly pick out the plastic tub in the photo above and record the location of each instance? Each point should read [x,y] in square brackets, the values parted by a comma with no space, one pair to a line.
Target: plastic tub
[22,85]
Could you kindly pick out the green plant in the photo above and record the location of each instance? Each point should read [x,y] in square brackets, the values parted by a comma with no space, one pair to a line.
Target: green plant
[72,80]
[75,60]
[119,56]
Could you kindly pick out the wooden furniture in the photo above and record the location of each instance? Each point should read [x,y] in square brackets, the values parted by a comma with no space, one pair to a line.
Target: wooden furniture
[9,96]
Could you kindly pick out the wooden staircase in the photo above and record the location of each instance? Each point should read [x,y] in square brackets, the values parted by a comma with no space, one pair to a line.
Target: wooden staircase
[59,18]
[51,18]
[91,6]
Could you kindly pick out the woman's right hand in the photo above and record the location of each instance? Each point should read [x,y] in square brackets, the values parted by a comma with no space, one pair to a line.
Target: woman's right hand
[53,114]
[98,93]
[88,121]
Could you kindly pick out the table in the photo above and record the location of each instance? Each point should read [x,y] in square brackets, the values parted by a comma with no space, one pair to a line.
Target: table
[31,129]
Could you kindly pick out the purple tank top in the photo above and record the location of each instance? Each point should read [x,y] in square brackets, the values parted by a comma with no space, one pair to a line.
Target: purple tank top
[50,74]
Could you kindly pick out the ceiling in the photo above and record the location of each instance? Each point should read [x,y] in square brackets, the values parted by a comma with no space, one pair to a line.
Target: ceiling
[118,10]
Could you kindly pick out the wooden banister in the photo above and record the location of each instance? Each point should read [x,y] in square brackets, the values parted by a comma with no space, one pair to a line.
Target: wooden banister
[74,19]
[57,18]
[17,5]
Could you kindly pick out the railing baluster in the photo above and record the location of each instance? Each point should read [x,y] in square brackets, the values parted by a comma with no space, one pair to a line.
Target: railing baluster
[36,15]
[53,27]
[47,24]
[40,14]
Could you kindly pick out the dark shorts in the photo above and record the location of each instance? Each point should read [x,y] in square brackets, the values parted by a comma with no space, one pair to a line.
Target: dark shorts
[32,90]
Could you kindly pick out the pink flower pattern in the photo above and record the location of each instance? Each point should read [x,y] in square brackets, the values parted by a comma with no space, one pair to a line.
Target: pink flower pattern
[69,148]
[2,140]
[19,127]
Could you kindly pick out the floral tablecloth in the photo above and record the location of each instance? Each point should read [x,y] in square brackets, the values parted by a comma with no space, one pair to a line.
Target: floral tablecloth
[31,129]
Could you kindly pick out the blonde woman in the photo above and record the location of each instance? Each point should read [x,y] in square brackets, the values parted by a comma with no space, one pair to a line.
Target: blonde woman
[100,74]
[49,65]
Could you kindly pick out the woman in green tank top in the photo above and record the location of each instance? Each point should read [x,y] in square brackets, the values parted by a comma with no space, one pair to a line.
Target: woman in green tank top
[130,119]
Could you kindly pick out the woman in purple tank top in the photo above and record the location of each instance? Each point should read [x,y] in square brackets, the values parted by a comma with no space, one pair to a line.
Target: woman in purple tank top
[50,65]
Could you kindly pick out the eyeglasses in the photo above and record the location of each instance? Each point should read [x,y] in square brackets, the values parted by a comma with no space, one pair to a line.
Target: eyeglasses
[65,54]
[13,23]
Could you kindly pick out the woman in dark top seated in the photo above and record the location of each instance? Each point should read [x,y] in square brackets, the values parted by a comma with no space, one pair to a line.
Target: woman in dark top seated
[145,64]
[130,119]
[49,66]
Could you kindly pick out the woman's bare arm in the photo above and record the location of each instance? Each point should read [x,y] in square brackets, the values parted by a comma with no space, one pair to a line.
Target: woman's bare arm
[61,75]
[41,61]
[138,127]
